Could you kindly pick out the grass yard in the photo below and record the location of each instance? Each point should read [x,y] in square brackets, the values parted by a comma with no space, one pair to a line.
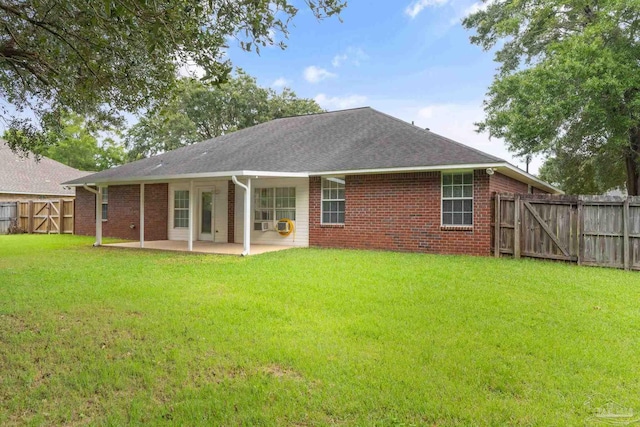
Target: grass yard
[307,337]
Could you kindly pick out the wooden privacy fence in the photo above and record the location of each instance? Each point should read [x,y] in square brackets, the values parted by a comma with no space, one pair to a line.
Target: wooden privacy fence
[8,212]
[590,230]
[46,216]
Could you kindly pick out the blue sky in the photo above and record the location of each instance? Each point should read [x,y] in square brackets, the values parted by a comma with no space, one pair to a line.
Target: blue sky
[410,59]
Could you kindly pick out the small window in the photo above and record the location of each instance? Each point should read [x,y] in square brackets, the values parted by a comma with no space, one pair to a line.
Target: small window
[273,204]
[105,203]
[181,209]
[333,200]
[457,199]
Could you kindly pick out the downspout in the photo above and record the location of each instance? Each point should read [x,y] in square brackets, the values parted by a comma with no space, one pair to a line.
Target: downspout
[246,238]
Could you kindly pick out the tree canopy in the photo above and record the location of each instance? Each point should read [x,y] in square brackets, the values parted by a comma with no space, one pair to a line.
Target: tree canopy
[97,58]
[196,111]
[79,144]
[568,86]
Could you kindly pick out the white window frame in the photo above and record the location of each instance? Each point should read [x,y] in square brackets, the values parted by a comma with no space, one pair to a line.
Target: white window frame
[181,209]
[339,181]
[454,198]
[274,208]
[105,204]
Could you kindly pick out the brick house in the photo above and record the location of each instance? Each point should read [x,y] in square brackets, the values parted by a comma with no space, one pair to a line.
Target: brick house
[25,178]
[347,179]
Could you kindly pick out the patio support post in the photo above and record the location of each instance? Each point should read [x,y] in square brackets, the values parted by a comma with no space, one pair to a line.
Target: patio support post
[98,217]
[192,208]
[246,236]
[142,215]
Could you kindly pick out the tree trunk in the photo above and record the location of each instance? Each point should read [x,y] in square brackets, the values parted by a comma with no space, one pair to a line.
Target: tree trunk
[632,162]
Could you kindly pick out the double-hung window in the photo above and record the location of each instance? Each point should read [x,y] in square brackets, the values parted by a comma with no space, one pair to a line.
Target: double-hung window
[457,199]
[273,204]
[105,203]
[181,209]
[333,200]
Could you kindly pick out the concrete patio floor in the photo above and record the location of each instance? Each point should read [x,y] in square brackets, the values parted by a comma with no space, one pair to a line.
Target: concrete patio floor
[199,247]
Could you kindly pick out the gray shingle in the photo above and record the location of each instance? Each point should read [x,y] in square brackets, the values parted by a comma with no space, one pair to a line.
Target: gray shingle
[356,139]
[27,176]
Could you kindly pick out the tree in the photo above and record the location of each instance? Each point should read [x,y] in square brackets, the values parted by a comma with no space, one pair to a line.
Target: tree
[196,111]
[568,84]
[589,174]
[100,57]
[77,145]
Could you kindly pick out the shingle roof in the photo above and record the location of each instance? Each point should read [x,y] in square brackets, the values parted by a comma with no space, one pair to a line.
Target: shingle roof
[356,139]
[24,175]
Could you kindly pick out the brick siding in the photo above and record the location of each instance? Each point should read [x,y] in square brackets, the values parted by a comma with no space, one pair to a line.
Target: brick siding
[500,183]
[123,210]
[401,212]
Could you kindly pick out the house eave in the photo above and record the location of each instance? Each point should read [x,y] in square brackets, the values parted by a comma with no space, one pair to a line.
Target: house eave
[503,167]
[180,177]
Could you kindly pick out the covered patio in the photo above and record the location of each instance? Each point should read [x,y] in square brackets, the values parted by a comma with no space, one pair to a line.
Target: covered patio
[199,247]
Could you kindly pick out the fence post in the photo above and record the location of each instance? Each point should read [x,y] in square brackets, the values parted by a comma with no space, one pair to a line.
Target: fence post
[496,229]
[580,231]
[516,229]
[625,232]
[30,217]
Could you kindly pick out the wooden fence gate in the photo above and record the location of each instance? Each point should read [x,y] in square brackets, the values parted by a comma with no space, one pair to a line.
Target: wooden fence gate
[46,216]
[8,212]
[590,230]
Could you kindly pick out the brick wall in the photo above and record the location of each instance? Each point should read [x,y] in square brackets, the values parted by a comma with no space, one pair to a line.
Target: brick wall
[503,184]
[123,210]
[401,212]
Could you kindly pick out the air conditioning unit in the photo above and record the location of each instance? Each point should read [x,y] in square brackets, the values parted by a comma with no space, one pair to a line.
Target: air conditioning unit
[265,226]
[283,226]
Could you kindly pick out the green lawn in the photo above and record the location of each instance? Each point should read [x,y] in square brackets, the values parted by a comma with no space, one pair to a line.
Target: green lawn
[309,337]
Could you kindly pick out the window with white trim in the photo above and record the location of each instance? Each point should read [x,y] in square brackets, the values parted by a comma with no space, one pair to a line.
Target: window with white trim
[105,203]
[333,200]
[273,204]
[181,209]
[457,199]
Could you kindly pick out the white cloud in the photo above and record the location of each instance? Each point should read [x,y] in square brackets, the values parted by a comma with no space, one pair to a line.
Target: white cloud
[315,74]
[473,8]
[340,103]
[190,69]
[338,60]
[353,55]
[418,6]
[280,82]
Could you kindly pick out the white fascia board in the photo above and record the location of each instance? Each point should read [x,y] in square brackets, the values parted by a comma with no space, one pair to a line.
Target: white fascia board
[410,169]
[509,170]
[39,194]
[205,175]
[502,167]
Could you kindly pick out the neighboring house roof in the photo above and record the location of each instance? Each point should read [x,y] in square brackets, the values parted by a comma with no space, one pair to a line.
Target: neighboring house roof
[25,175]
[348,141]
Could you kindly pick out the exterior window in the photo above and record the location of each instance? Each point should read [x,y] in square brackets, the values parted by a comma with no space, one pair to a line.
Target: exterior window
[181,209]
[105,203]
[333,200]
[457,199]
[273,204]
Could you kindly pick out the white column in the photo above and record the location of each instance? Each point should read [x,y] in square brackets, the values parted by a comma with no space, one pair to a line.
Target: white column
[142,215]
[246,237]
[99,217]
[247,219]
[192,208]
